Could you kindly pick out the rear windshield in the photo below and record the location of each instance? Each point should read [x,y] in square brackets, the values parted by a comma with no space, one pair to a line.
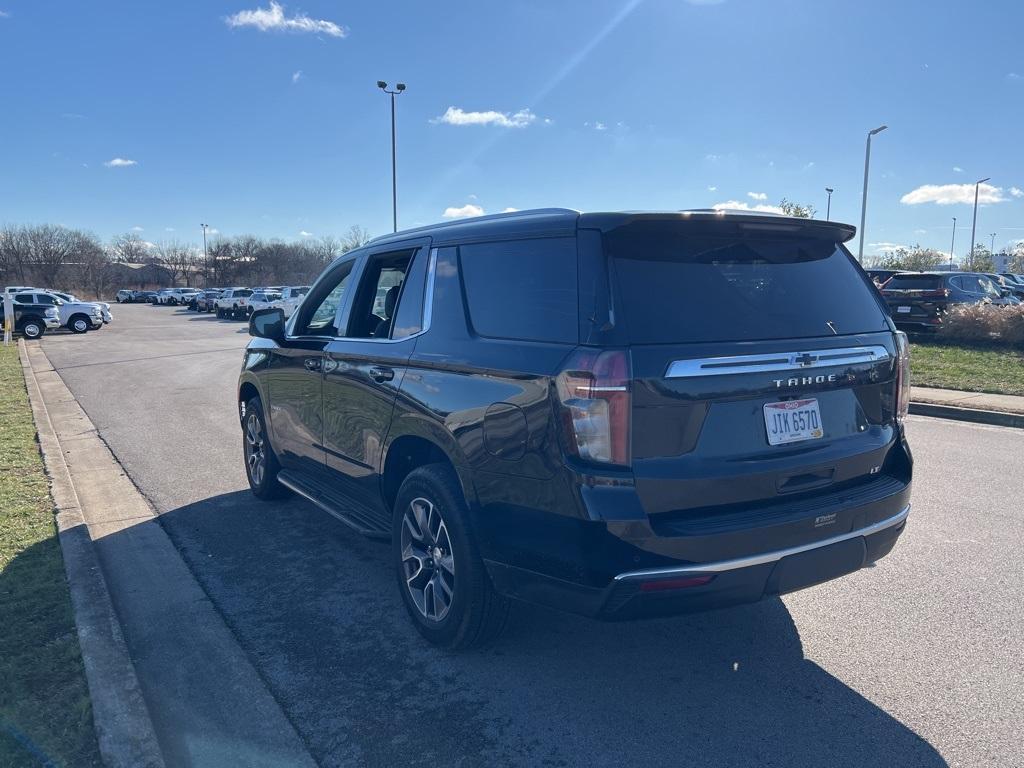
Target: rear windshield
[243,292]
[914,283]
[674,286]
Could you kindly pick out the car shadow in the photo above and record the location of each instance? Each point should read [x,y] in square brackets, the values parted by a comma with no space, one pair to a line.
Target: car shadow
[317,608]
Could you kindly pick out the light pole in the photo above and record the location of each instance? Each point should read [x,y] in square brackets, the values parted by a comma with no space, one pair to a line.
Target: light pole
[951,244]
[864,197]
[828,205]
[399,87]
[974,221]
[206,254]
[992,248]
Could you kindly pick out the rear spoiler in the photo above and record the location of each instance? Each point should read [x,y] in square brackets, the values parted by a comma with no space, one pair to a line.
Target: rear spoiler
[727,222]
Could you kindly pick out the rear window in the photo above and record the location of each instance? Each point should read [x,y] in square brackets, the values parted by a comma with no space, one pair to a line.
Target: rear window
[674,286]
[243,292]
[524,289]
[914,283]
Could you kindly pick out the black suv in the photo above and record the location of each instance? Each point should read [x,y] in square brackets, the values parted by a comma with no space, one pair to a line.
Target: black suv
[918,300]
[615,414]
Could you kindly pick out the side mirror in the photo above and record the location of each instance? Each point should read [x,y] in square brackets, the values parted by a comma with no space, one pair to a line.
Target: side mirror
[267,324]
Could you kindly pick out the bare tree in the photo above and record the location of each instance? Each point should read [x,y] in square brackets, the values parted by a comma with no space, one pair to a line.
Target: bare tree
[354,238]
[180,259]
[93,268]
[13,254]
[50,249]
[129,248]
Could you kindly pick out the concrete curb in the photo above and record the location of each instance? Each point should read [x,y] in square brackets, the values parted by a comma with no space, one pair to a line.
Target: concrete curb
[997,418]
[123,727]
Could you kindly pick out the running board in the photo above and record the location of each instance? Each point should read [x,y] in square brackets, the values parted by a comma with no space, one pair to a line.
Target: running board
[351,513]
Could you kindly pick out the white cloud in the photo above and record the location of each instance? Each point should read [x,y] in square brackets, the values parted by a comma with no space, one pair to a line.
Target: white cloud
[1017,191]
[304,233]
[273,19]
[296,76]
[597,126]
[920,231]
[712,158]
[950,194]
[137,229]
[458,116]
[4,15]
[1012,76]
[120,162]
[712,189]
[757,195]
[510,210]
[736,205]
[957,169]
[886,247]
[467,211]
[168,229]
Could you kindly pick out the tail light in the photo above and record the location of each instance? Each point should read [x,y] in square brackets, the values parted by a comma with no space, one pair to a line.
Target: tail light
[902,376]
[593,392]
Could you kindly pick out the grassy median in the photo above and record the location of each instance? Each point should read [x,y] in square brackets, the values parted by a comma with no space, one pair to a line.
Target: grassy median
[45,715]
[969,368]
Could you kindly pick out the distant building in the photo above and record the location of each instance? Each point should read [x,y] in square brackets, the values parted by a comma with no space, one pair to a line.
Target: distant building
[140,277]
[1001,261]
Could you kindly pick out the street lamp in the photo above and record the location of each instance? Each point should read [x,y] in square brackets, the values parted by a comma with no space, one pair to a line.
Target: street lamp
[864,197]
[206,254]
[399,87]
[992,249]
[974,222]
[951,244]
[828,206]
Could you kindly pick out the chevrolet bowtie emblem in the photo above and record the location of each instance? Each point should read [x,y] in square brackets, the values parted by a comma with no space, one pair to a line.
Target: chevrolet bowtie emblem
[805,359]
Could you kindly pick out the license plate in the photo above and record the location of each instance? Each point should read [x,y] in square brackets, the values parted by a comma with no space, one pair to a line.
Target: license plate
[792,421]
[903,310]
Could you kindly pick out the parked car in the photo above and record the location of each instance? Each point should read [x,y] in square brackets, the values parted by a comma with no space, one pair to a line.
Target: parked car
[617,414]
[124,296]
[70,297]
[163,296]
[262,300]
[1007,286]
[144,297]
[76,316]
[880,276]
[291,297]
[232,303]
[204,301]
[918,300]
[31,320]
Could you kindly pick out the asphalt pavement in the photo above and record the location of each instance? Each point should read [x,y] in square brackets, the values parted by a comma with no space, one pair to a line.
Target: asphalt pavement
[912,662]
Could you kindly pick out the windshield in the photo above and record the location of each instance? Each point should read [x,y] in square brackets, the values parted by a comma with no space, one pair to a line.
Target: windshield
[914,283]
[676,287]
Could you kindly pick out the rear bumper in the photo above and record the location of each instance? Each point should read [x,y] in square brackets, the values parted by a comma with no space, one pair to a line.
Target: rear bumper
[702,586]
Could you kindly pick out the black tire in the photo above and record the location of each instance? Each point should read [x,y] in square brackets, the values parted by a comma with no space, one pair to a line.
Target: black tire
[32,328]
[264,483]
[79,324]
[476,613]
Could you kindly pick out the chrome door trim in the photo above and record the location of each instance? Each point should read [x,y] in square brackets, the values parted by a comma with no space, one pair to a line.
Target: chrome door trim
[776,361]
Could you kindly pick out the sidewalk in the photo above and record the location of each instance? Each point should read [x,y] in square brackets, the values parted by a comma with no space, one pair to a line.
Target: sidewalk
[1004,410]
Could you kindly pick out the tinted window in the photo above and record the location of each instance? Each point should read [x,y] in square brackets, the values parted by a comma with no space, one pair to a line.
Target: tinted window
[23,298]
[242,292]
[524,289]
[677,286]
[375,306]
[409,316]
[914,283]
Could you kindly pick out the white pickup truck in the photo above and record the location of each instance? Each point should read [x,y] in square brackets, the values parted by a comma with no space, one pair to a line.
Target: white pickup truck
[233,303]
[291,297]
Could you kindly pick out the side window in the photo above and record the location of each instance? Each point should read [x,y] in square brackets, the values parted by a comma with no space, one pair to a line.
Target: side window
[44,299]
[524,289]
[376,303]
[318,316]
[957,282]
[409,316]
[23,298]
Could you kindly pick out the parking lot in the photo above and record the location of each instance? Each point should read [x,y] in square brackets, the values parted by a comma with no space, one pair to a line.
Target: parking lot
[912,662]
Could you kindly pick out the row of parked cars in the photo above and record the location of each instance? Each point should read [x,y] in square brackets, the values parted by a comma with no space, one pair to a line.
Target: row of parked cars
[236,302]
[38,310]
[918,300]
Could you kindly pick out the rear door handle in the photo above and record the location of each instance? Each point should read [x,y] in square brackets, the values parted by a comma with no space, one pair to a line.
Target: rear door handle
[379,373]
[312,363]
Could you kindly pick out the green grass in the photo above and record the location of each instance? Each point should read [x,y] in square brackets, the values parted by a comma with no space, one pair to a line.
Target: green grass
[45,714]
[969,368]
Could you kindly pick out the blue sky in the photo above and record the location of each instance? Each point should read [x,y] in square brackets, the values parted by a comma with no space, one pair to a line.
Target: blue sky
[265,119]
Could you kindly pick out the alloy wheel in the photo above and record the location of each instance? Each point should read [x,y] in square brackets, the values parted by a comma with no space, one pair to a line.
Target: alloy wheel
[81,326]
[428,561]
[255,453]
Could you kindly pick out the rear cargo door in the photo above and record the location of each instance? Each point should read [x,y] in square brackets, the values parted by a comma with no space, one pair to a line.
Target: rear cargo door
[763,364]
